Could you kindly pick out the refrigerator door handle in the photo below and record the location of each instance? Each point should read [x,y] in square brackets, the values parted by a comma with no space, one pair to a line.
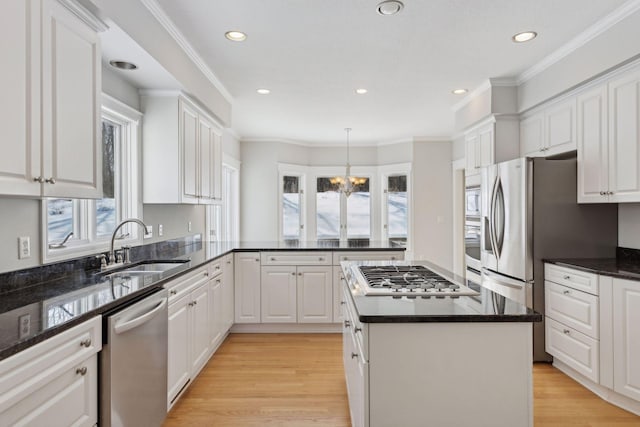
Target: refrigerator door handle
[492,220]
[498,217]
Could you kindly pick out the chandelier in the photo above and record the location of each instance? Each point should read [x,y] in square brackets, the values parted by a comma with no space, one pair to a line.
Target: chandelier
[347,184]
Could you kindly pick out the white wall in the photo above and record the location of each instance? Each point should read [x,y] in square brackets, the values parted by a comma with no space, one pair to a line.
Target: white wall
[432,203]
[20,217]
[458,148]
[120,89]
[175,220]
[609,49]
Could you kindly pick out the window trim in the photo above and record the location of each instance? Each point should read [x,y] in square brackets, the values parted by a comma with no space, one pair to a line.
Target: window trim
[285,169]
[385,172]
[128,154]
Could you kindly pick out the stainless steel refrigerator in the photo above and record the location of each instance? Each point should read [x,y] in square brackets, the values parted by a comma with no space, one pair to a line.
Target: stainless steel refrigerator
[530,213]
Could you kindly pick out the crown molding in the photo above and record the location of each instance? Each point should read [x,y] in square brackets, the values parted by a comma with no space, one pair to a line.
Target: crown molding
[343,145]
[85,15]
[177,35]
[503,82]
[233,133]
[581,39]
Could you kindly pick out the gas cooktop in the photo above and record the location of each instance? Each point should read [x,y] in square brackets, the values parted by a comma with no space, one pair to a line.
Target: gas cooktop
[411,281]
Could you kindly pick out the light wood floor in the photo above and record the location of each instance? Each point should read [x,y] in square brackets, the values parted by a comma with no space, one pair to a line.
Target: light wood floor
[297,380]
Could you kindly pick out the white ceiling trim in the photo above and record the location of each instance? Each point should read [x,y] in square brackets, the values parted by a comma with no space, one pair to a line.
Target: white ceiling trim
[177,35]
[85,15]
[581,39]
[233,133]
[344,145]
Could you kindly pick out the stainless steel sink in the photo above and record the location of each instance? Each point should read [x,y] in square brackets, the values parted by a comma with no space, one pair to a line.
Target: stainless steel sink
[146,267]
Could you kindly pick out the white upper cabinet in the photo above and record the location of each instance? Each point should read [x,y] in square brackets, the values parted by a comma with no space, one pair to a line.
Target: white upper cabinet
[491,141]
[182,152]
[549,131]
[51,98]
[609,140]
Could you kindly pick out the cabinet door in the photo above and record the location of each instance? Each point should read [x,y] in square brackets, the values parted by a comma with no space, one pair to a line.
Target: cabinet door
[200,327]
[189,129]
[216,313]
[70,398]
[216,165]
[624,138]
[593,180]
[560,127]
[247,287]
[178,357]
[471,155]
[71,88]
[278,294]
[19,103]
[206,143]
[227,292]
[338,299]
[486,138]
[315,294]
[531,136]
[626,337]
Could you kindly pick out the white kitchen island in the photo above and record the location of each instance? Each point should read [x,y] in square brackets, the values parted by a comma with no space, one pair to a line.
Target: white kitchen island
[438,361]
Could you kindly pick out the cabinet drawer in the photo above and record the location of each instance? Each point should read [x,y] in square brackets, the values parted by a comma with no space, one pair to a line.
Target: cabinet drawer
[185,284]
[577,350]
[367,256]
[296,258]
[576,309]
[353,325]
[24,373]
[576,279]
[215,268]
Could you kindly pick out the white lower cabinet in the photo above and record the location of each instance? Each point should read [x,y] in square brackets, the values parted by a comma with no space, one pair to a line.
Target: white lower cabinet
[216,312]
[54,383]
[278,294]
[189,330]
[338,299]
[626,337]
[247,287]
[315,294]
[227,293]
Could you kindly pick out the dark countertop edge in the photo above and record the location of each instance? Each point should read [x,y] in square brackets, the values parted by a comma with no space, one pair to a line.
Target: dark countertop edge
[317,249]
[460,318]
[49,333]
[575,264]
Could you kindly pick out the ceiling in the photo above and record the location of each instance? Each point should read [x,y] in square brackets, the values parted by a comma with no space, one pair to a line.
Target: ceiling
[313,54]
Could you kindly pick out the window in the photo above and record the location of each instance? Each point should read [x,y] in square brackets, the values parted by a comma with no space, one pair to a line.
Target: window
[359,213]
[87,224]
[397,209]
[328,224]
[292,224]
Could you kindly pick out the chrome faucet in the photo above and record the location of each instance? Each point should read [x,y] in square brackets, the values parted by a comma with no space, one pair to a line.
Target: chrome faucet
[112,254]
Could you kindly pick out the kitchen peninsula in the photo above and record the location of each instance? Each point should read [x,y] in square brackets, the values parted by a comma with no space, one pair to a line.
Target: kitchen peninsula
[415,358]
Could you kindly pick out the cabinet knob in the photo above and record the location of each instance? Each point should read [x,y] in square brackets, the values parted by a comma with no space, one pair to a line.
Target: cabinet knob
[82,371]
[39,179]
[85,343]
[190,304]
[217,267]
[567,277]
[51,180]
[345,258]
[393,258]
[293,273]
[173,292]
[566,331]
[228,262]
[342,303]
[218,281]
[610,193]
[347,324]
[356,330]
[566,292]
[258,259]
[273,258]
[195,302]
[602,193]
[354,355]
[299,274]
[321,258]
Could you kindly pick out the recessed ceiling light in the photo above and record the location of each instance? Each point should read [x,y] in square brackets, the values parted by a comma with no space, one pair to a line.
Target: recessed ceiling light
[524,36]
[389,7]
[123,65]
[263,91]
[235,36]
[361,91]
[459,91]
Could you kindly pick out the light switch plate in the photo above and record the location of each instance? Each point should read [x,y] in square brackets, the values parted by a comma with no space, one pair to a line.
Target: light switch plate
[24,327]
[189,226]
[24,247]
[160,230]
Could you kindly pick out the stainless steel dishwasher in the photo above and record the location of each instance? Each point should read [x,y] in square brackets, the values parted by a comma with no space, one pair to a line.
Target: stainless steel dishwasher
[133,364]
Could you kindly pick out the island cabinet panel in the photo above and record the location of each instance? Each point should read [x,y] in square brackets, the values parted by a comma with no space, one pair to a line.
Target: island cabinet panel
[247,287]
[315,294]
[457,374]
[54,382]
[626,337]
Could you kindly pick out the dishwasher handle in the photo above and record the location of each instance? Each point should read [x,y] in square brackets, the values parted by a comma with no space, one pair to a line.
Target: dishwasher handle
[133,323]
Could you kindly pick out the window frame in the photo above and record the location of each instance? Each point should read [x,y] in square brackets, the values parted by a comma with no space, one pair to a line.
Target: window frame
[126,191]
[385,172]
[301,172]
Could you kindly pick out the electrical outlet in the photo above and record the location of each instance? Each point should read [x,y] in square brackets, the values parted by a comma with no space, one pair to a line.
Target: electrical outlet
[24,325]
[150,232]
[160,230]
[189,226]
[24,247]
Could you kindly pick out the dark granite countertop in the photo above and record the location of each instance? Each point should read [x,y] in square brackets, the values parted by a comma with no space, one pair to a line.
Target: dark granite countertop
[388,309]
[615,267]
[54,298]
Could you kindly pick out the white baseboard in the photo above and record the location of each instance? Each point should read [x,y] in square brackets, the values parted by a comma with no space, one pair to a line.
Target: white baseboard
[604,393]
[286,328]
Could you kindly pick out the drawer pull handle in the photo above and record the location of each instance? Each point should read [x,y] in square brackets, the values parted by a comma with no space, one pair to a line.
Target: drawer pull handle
[321,258]
[566,331]
[342,302]
[258,259]
[85,343]
[567,277]
[173,292]
[273,258]
[217,267]
[82,371]
[354,355]
[293,273]
[347,324]
[393,258]
[346,258]
[356,330]
[218,281]
[206,274]
[566,292]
